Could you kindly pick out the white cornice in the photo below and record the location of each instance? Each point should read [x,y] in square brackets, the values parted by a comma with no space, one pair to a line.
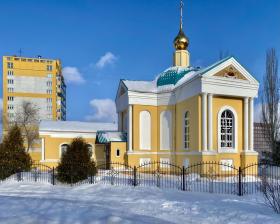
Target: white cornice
[54,134]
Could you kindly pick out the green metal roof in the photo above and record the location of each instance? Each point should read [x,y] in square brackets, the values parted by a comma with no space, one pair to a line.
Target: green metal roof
[110,136]
[172,75]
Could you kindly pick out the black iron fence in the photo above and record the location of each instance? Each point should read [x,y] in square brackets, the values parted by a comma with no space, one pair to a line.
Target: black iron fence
[211,177]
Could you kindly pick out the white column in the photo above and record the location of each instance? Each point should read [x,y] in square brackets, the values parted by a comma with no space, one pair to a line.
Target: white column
[251,125]
[210,120]
[42,149]
[130,128]
[204,120]
[245,123]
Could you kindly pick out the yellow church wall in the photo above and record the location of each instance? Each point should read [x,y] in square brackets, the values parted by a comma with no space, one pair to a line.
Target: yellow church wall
[100,156]
[118,146]
[154,127]
[52,147]
[193,106]
[35,156]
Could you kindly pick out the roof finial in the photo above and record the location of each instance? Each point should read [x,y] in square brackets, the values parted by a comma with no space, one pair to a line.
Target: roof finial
[181,42]
[181,14]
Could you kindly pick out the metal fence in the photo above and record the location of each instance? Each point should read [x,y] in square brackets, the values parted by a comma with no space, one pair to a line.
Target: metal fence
[211,177]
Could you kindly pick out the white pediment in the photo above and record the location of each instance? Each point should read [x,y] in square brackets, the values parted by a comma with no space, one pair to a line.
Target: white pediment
[229,69]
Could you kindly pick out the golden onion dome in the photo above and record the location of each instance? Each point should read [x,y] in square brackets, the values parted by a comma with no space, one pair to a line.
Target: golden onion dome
[181,41]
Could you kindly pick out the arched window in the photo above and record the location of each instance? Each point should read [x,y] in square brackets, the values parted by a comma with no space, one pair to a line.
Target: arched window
[227,129]
[90,149]
[63,149]
[165,130]
[187,130]
[145,130]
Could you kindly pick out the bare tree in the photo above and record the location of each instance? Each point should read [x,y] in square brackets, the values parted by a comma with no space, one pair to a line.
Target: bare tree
[271,188]
[270,103]
[28,120]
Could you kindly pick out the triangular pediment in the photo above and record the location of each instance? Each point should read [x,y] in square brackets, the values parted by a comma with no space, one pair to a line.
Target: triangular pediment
[122,89]
[229,68]
[230,72]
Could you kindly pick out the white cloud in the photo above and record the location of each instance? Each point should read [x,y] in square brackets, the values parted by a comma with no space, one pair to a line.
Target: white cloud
[104,110]
[72,75]
[106,59]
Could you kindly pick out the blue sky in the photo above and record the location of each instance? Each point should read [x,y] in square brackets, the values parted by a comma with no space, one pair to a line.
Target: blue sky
[134,37]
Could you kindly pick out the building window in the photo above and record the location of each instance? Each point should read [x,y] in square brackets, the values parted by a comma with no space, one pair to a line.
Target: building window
[10,90]
[165,130]
[145,130]
[49,75]
[49,91]
[49,100]
[227,129]
[118,153]
[63,149]
[164,162]
[186,163]
[187,130]
[145,162]
[10,98]
[10,81]
[10,73]
[49,83]
[90,150]
[10,65]
[10,107]
[49,67]
[226,164]
[49,108]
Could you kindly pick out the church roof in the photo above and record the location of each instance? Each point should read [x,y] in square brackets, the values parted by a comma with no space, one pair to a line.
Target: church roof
[110,136]
[170,78]
[75,126]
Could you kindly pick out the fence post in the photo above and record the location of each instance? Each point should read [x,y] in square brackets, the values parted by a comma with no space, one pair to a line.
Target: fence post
[53,176]
[135,176]
[239,182]
[183,178]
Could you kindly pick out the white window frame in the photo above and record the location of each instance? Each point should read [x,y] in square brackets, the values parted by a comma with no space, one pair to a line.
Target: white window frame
[184,126]
[60,148]
[145,132]
[163,130]
[227,163]
[235,131]
[143,161]
[186,163]
[163,161]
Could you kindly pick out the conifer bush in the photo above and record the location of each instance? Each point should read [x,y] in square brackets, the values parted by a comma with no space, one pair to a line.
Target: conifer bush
[76,164]
[13,156]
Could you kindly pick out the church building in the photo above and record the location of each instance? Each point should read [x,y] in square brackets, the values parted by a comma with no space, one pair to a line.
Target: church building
[184,116]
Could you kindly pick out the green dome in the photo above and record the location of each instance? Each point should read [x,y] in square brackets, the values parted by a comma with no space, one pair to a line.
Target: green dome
[172,76]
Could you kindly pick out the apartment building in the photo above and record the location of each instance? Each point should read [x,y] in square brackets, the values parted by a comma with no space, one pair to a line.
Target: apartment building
[36,80]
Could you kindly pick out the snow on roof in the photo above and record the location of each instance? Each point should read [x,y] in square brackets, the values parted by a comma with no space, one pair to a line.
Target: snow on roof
[76,126]
[152,87]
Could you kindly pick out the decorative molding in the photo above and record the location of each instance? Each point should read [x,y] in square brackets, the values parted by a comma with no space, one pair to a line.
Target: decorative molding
[50,161]
[70,134]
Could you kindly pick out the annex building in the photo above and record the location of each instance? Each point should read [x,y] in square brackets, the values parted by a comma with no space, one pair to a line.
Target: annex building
[185,115]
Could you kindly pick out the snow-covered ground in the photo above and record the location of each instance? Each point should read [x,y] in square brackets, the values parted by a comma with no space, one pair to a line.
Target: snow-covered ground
[43,203]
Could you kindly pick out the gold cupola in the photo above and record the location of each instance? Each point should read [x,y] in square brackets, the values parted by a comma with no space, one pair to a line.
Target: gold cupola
[181,55]
[181,42]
